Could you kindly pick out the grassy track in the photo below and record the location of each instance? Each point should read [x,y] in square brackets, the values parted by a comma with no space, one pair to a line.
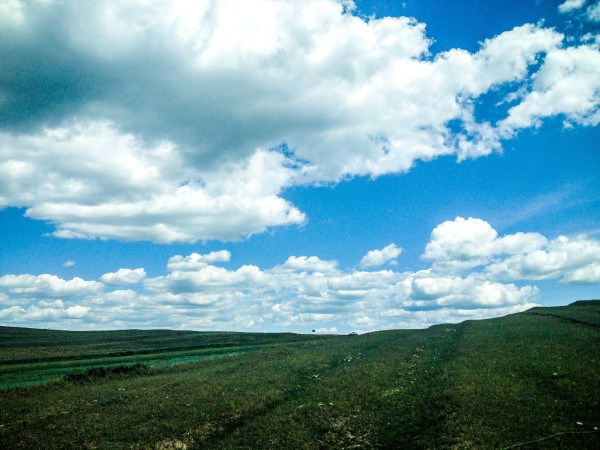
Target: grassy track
[531,378]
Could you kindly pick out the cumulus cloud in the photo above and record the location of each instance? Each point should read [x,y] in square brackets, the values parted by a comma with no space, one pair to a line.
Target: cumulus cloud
[151,119]
[77,311]
[465,243]
[593,12]
[205,279]
[123,277]
[471,292]
[196,261]
[37,314]
[48,286]
[567,84]
[309,264]
[574,260]
[119,189]
[571,5]
[4,300]
[69,263]
[380,257]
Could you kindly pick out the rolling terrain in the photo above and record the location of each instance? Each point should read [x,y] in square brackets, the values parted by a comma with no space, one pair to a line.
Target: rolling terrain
[528,380]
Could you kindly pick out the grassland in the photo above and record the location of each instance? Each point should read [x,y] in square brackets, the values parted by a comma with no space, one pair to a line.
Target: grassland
[529,380]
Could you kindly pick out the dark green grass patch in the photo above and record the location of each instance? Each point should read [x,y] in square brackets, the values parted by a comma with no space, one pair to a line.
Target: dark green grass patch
[100,371]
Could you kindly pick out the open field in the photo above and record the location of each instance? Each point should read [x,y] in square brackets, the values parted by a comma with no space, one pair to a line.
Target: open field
[29,356]
[528,378]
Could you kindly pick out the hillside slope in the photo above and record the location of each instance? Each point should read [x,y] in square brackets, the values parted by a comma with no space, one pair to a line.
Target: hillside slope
[532,378]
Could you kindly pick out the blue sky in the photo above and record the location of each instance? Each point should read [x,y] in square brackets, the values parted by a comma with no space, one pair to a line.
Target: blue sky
[290,166]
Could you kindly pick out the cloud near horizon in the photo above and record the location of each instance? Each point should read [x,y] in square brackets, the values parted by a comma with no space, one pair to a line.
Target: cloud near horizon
[302,93]
[472,275]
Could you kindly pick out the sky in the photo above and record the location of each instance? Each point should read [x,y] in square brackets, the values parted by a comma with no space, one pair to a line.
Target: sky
[271,165]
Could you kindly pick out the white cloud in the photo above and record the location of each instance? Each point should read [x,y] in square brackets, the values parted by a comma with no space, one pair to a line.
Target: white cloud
[205,278]
[77,311]
[48,286]
[570,5]
[10,313]
[4,300]
[380,257]
[69,263]
[465,243]
[123,277]
[575,260]
[11,13]
[94,194]
[51,304]
[465,293]
[592,39]
[157,117]
[586,274]
[326,330]
[567,84]
[35,314]
[593,12]
[309,264]
[196,261]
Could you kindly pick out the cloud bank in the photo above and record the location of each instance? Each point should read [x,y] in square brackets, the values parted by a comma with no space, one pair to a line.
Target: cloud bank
[173,121]
[474,273]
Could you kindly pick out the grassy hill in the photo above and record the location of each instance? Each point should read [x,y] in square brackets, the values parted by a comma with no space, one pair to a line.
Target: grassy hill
[529,380]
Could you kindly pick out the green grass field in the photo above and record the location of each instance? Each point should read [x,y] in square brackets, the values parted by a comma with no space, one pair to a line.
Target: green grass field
[529,380]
